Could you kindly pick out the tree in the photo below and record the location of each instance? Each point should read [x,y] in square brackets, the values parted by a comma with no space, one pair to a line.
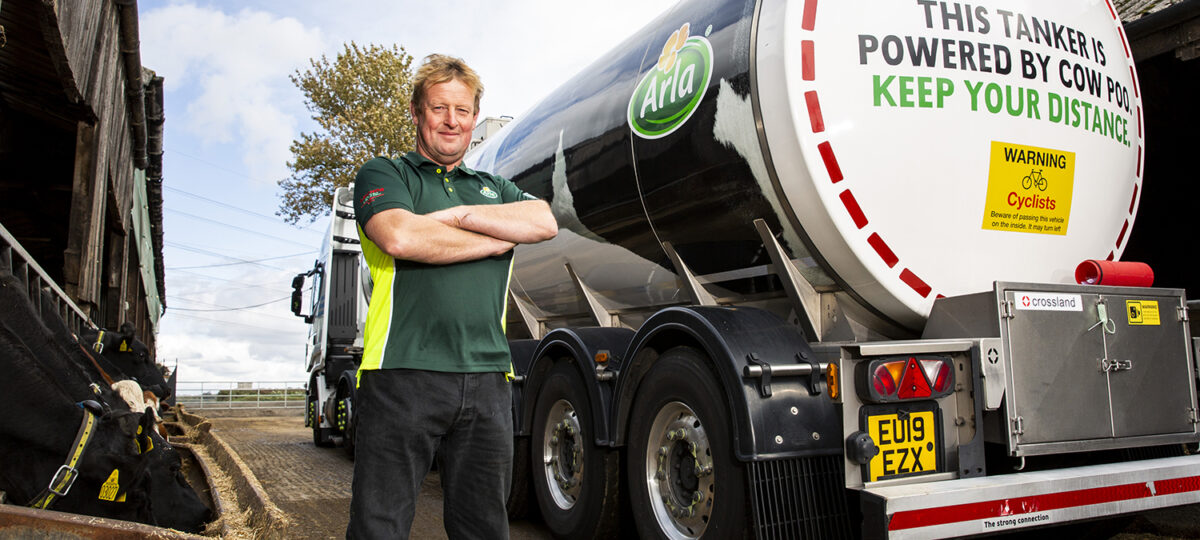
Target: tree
[360,100]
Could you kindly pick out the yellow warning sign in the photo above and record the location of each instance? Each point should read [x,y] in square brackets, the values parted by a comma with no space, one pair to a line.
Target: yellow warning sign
[108,491]
[1029,189]
[1142,312]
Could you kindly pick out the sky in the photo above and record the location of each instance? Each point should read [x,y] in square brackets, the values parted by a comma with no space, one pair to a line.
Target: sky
[232,112]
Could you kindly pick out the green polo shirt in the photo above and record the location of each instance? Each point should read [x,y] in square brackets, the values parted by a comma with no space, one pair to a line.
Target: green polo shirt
[432,317]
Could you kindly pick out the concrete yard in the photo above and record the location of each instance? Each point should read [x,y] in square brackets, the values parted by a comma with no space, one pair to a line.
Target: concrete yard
[312,485]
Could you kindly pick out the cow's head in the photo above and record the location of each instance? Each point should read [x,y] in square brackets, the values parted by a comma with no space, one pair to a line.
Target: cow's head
[129,472]
[123,349]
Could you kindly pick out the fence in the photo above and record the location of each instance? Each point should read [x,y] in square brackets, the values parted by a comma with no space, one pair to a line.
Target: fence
[14,258]
[196,395]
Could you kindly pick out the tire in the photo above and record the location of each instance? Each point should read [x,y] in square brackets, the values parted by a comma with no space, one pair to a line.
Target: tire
[680,425]
[322,437]
[345,420]
[575,482]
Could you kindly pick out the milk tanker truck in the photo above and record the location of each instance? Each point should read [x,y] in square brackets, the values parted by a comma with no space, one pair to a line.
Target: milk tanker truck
[818,275]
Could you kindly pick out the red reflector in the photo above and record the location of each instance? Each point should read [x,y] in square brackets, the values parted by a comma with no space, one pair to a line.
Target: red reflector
[914,385]
[885,385]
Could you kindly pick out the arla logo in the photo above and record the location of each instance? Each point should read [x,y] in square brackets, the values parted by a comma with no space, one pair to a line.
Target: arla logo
[488,192]
[668,95]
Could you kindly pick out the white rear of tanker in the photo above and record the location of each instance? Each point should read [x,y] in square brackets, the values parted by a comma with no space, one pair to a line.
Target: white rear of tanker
[759,198]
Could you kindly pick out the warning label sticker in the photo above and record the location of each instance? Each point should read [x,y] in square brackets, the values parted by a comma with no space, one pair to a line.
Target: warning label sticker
[1142,312]
[1029,189]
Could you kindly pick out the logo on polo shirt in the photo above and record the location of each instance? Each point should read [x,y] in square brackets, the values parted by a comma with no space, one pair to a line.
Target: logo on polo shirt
[371,196]
[487,192]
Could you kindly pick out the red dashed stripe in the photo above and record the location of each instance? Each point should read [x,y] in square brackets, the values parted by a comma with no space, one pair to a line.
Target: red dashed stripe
[1110,9]
[883,250]
[1109,257]
[1121,237]
[915,282]
[817,120]
[856,213]
[810,15]
[1133,76]
[831,163]
[1123,42]
[808,63]
[1139,165]
[814,111]
[1139,115]
[1133,199]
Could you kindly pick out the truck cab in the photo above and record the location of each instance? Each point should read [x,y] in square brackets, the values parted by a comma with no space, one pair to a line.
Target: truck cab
[337,309]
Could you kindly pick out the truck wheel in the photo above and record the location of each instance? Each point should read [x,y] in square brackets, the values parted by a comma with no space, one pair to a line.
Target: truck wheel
[574,481]
[346,422]
[322,437]
[683,479]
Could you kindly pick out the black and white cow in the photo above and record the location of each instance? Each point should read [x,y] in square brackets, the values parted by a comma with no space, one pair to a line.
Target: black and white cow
[126,471]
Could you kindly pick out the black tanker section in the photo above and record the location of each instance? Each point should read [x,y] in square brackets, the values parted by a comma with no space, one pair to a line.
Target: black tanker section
[618,196]
[698,189]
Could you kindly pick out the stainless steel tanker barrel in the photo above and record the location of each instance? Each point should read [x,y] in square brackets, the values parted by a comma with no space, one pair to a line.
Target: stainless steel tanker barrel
[900,151]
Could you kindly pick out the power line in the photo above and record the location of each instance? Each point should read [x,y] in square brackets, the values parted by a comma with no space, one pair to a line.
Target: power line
[227,308]
[223,289]
[215,254]
[230,309]
[231,171]
[218,321]
[243,283]
[241,262]
[216,165]
[271,218]
[243,229]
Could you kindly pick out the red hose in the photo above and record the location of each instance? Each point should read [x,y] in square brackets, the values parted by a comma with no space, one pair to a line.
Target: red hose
[1125,274]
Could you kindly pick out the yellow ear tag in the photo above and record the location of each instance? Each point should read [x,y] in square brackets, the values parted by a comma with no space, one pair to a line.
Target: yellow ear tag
[121,498]
[124,346]
[108,491]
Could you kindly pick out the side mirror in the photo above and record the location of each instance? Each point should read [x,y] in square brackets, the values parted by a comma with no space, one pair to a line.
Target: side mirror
[298,295]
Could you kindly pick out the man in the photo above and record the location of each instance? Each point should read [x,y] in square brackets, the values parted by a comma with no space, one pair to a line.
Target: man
[438,238]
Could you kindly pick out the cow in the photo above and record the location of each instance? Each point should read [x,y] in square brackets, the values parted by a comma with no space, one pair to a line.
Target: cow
[124,350]
[119,353]
[123,470]
[118,358]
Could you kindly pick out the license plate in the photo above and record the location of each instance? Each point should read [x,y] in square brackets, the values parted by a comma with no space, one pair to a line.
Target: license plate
[908,443]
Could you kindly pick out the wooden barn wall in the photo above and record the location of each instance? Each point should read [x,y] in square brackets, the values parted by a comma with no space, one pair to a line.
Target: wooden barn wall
[101,272]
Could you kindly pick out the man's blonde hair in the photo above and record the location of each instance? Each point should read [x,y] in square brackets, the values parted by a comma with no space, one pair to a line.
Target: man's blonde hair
[439,68]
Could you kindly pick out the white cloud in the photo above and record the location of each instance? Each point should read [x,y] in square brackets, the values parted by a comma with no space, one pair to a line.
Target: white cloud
[232,70]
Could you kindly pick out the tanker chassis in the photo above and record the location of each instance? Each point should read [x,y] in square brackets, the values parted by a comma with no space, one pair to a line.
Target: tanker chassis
[816,278]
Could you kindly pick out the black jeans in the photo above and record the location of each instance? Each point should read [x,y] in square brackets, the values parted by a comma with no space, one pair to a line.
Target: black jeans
[404,417]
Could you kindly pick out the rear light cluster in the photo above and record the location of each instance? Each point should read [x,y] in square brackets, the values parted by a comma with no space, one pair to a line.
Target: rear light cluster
[892,379]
